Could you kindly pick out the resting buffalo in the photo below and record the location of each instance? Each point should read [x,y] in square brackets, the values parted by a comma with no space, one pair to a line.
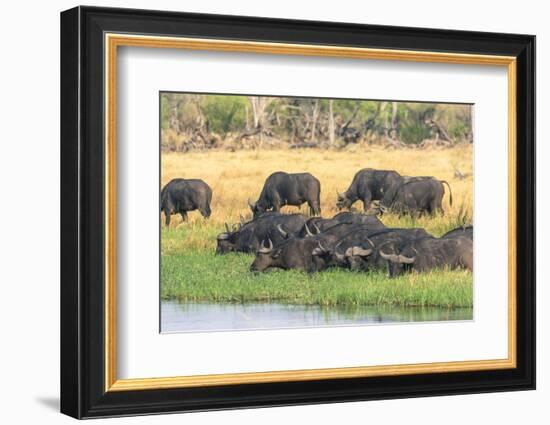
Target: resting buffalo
[463,231]
[294,253]
[416,195]
[182,195]
[358,218]
[248,237]
[288,189]
[300,253]
[317,225]
[367,185]
[361,249]
[424,254]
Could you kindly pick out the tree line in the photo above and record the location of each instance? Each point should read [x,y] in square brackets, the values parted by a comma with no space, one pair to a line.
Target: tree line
[197,121]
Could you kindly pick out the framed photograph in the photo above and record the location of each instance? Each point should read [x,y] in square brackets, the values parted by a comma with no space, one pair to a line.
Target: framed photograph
[261,212]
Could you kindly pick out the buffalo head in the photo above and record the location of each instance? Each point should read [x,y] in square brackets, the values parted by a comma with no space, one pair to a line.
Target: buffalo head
[226,241]
[256,207]
[343,202]
[397,262]
[356,257]
[264,257]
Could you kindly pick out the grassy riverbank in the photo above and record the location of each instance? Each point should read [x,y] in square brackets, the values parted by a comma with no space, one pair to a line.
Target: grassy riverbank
[202,276]
[190,271]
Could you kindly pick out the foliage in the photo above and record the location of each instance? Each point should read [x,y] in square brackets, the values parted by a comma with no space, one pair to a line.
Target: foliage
[225,113]
[308,120]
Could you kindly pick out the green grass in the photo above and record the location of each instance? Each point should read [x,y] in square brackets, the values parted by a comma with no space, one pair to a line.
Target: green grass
[203,276]
[190,271]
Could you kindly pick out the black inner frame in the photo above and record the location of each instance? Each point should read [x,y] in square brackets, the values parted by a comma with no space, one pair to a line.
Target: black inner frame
[82,209]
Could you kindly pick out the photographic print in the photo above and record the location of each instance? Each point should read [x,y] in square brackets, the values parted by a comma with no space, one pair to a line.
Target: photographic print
[319,196]
[281,212]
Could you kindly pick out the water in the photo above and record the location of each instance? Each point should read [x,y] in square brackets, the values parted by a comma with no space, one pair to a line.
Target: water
[194,317]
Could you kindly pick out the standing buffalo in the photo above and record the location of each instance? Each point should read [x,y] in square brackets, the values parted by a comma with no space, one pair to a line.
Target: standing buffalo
[288,189]
[367,185]
[182,195]
[424,254]
[416,195]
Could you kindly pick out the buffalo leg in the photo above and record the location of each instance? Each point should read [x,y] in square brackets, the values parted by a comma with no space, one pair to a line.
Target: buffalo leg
[183,215]
[314,209]
[435,207]
[366,202]
[167,215]
[205,212]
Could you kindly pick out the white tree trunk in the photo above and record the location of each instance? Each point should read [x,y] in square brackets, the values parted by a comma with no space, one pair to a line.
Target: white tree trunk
[259,105]
[331,122]
[314,120]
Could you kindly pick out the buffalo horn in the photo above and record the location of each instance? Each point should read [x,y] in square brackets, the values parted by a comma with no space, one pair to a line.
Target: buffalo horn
[357,250]
[390,257]
[406,260]
[266,250]
[317,231]
[308,231]
[319,250]
[223,236]
[281,230]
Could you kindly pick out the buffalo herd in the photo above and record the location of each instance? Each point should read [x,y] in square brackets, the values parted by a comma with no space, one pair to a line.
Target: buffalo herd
[357,241]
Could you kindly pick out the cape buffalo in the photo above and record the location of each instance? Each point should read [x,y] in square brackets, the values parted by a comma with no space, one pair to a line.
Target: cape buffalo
[317,225]
[358,218]
[328,241]
[288,189]
[301,253]
[416,195]
[182,195]
[361,249]
[424,254]
[294,253]
[465,231]
[248,236]
[367,185]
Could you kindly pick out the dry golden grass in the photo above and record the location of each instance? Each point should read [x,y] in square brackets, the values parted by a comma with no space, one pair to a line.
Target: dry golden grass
[236,176]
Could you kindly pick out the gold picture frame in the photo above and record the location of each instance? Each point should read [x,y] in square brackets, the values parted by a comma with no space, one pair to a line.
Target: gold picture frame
[114,41]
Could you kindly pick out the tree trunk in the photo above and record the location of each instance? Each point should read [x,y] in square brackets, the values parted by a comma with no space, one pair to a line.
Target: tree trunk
[259,105]
[314,119]
[197,101]
[393,131]
[330,122]
[394,116]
